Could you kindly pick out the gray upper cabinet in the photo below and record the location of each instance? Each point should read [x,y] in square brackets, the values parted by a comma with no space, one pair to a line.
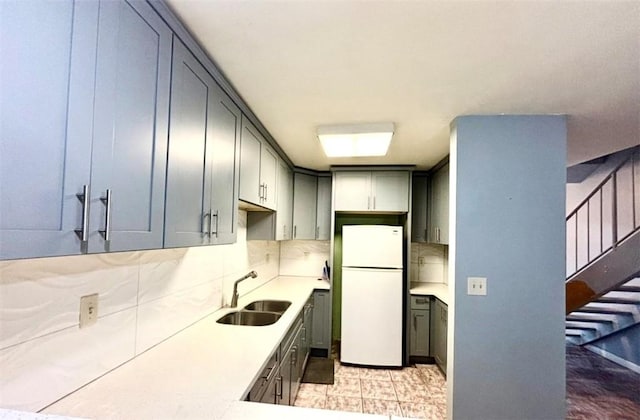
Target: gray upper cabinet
[284,215]
[419,207]
[258,168]
[323,209]
[439,208]
[47,83]
[378,191]
[352,191]
[304,206]
[202,164]
[85,101]
[131,118]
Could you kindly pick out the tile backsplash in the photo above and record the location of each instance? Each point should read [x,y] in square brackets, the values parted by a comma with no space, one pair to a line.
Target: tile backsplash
[144,298]
[303,258]
[429,263]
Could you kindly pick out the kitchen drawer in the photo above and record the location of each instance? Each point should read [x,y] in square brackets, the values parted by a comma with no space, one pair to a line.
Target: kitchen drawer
[419,302]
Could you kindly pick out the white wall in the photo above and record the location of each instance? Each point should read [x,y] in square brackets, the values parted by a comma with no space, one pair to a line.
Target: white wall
[145,297]
[506,350]
[428,263]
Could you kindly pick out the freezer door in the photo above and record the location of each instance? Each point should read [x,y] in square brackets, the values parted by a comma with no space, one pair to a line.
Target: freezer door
[371,317]
[372,246]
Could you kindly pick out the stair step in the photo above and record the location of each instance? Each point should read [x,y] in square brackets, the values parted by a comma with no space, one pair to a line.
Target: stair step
[581,327]
[632,289]
[593,320]
[573,333]
[616,300]
[604,310]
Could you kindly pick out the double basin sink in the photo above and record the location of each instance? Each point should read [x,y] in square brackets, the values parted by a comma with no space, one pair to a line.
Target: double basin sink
[258,313]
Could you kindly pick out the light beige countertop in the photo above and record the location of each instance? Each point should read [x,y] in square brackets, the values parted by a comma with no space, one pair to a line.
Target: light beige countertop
[439,290]
[202,372]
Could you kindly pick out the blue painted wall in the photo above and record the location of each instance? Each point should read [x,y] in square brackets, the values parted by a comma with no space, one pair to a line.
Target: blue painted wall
[507,202]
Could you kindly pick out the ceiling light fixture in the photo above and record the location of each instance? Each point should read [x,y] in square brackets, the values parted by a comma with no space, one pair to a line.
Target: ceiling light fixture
[351,140]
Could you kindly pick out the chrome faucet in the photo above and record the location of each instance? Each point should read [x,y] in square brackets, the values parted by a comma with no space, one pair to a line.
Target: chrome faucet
[234,298]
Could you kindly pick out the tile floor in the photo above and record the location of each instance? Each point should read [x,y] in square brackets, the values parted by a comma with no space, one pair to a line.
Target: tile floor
[416,392]
[600,389]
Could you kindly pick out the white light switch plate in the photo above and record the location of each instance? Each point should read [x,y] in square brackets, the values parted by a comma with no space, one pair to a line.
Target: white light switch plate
[88,310]
[477,286]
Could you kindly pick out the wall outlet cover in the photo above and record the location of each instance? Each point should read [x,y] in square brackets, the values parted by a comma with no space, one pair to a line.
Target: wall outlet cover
[477,286]
[88,310]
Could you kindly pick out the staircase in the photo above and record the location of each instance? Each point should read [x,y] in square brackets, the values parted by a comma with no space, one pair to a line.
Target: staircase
[603,256]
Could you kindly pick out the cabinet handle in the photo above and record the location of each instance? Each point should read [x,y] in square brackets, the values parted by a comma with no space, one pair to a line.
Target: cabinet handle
[214,232]
[295,231]
[374,202]
[368,203]
[279,386]
[83,232]
[415,322]
[266,191]
[260,188]
[106,200]
[205,231]
[294,355]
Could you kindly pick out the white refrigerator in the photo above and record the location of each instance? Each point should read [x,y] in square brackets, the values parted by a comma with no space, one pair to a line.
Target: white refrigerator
[372,272]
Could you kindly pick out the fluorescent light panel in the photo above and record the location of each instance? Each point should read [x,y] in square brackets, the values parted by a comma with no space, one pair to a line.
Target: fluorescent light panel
[353,140]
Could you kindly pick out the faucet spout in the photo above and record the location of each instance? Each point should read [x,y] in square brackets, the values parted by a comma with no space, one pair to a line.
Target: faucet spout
[234,297]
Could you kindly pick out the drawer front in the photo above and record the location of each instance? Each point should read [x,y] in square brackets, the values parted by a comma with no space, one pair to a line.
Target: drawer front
[419,302]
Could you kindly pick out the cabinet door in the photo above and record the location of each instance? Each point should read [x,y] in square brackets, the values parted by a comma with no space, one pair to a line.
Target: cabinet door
[419,337]
[284,214]
[130,127]
[250,188]
[390,191]
[321,324]
[224,144]
[286,371]
[439,213]
[188,174]
[305,194]
[268,176]
[47,81]
[419,209]
[352,191]
[323,209]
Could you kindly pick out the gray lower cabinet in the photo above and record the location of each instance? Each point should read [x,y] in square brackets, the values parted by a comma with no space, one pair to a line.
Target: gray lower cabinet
[419,328]
[85,101]
[202,175]
[321,330]
[439,334]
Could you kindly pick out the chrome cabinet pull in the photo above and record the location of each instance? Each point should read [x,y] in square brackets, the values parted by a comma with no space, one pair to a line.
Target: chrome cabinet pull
[260,188]
[106,200]
[211,231]
[374,202]
[205,231]
[266,192]
[368,203]
[279,386]
[295,231]
[83,232]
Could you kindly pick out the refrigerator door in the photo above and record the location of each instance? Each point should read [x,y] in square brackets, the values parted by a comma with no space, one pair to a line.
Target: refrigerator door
[372,246]
[371,317]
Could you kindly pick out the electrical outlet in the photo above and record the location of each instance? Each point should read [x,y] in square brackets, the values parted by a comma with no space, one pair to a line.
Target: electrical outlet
[420,260]
[88,310]
[477,286]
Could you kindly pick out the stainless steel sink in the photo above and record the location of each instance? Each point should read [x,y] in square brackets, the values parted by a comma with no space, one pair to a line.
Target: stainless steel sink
[278,306]
[253,318]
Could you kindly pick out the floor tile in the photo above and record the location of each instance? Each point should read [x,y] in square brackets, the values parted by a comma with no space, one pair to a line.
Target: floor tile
[408,375]
[346,387]
[387,408]
[378,374]
[344,371]
[339,403]
[313,390]
[379,390]
[310,401]
[410,393]
[419,410]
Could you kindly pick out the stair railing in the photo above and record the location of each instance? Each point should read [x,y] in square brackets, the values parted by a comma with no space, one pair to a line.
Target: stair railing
[606,217]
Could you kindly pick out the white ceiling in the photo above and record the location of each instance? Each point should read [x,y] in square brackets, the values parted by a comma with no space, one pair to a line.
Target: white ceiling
[419,64]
